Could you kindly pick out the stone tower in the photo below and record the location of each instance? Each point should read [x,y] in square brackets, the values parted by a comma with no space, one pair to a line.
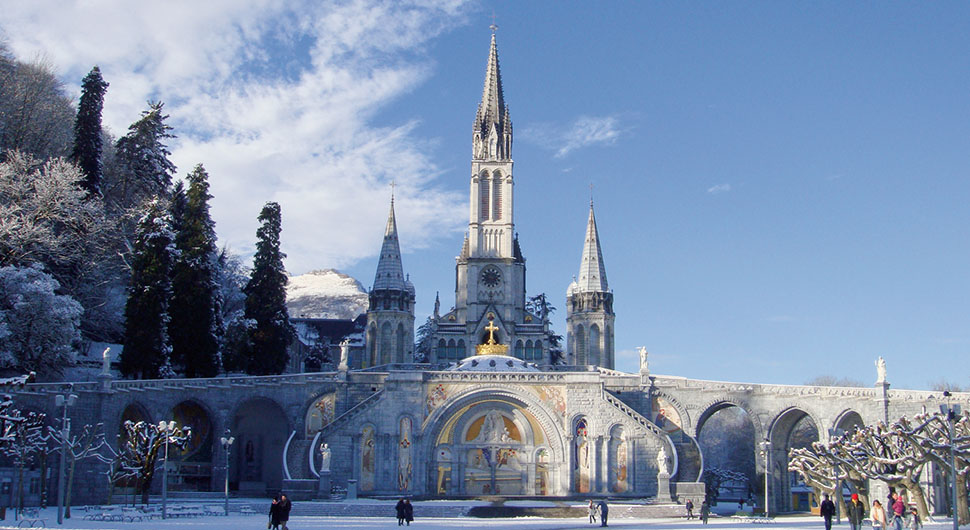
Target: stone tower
[490,271]
[589,307]
[390,313]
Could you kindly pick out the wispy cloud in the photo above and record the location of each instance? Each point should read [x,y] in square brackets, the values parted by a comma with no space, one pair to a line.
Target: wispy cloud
[719,188]
[275,98]
[583,132]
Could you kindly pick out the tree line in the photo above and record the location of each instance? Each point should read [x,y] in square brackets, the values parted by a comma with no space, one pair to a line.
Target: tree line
[99,242]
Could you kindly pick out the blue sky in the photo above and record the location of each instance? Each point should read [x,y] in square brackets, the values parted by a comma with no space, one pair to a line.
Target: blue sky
[781,188]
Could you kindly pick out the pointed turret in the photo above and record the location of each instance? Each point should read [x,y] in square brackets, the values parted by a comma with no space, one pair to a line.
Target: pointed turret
[492,132]
[592,270]
[390,272]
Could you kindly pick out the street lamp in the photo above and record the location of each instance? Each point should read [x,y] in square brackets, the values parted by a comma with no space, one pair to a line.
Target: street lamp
[166,428]
[226,442]
[951,412]
[63,400]
[766,450]
[837,433]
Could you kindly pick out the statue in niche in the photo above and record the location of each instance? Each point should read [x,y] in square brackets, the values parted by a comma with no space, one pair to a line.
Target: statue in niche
[880,370]
[325,456]
[662,465]
[493,429]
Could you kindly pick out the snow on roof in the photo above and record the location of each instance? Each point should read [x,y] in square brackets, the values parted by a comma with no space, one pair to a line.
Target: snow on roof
[325,294]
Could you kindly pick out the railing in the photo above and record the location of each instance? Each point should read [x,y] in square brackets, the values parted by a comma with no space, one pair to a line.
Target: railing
[351,413]
[636,416]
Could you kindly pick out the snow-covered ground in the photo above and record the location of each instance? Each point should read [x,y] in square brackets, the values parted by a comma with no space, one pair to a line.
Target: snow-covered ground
[243,522]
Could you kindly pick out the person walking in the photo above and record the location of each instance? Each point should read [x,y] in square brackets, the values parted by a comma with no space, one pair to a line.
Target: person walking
[689,504]
[899,511]
[914,521]
[274,514]
[593,510]
[399,509]
[604,512]
[705,511]
[878,515]
[855,512]
[408,511]
[827,510]
[285,506]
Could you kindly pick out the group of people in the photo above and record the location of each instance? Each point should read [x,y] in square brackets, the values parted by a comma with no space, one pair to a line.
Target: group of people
[881,519]
[705,510]
[405,512]
[279,512]
[601,510]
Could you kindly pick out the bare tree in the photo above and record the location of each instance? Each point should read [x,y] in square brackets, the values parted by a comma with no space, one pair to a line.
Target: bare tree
[85,444]
[22,443]
[140,444]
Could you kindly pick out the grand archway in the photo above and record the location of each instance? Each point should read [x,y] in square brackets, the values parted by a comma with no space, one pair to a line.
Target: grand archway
[793,428]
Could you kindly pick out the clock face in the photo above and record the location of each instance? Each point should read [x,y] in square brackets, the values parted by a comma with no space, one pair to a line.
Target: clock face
[491,277]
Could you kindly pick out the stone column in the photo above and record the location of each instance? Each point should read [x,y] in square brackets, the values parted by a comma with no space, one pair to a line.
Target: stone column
[600,466]
[570,481]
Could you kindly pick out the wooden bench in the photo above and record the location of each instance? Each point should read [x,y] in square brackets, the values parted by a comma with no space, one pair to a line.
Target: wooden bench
[32,523]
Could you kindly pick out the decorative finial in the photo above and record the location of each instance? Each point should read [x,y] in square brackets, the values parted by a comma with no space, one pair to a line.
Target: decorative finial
[590,194]
[493,26]
[392,192]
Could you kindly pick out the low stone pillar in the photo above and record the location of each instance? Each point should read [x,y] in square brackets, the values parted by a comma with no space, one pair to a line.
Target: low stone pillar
[663,488]
[351,489]
[323,488]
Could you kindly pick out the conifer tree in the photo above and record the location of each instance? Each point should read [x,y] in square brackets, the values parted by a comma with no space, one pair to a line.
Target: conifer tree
[194,327]
[147,348]
[270,331]
[145,156]
[87,131]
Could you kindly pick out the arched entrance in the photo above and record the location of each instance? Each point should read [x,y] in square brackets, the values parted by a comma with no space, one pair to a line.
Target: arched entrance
[260,428]
[193,465]
[493,445]
[793,428]
[727,440]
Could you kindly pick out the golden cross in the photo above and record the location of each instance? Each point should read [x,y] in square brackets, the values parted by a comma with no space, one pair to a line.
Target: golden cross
[492,328]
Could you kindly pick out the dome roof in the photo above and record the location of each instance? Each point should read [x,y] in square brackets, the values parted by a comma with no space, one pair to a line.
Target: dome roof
[493,363]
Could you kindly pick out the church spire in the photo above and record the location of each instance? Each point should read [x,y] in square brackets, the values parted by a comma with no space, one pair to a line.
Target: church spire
[592,270]
[492,134]
[390,272]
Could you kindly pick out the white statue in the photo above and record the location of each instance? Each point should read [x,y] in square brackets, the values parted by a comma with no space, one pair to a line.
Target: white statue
[662,461]
[643,360]
[106,362]
[344,355]
[880,370]
[325,455]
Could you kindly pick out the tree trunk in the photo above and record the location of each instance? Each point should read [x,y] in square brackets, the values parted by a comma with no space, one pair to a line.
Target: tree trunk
[915,494]
[67,493]
[43,479]
[20,490]
[961,507]
[146,485]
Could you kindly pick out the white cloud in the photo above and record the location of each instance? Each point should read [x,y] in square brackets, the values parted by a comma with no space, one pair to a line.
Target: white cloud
[720,188]
[275,99]
[583,132]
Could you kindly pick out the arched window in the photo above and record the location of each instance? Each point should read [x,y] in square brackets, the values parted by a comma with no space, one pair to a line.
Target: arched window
[386,344]
[518,349]
[483,191]
[399,344]
[537,351]
[594,345]
[452,350]
[581,358]
[608,348]
[496,195]
[460,350]
[442,349]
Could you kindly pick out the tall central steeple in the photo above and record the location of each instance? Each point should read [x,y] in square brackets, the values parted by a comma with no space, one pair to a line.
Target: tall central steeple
[492,134]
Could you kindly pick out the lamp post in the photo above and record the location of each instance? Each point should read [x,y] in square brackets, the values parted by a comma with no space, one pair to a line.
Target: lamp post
[63,400]
[837,433]
[226,442]
[951,412]
[766,450]
[166,428]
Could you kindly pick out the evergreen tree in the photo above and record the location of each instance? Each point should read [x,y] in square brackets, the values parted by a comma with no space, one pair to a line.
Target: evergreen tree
[145,157]
[147,348]
[194,327]
[422,341]
[87,131]
[540,306]
[271,331]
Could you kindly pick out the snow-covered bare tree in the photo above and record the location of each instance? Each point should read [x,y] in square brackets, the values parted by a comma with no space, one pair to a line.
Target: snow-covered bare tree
[42,327]
[266,298]
[931,432]
[36,115]
[195,329]
[86,443]
[87,131]
[25,442]
[141,442]
[147,348]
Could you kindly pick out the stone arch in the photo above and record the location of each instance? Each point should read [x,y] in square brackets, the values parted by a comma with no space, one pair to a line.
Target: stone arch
[194,463]
[788,423]
[733,444]
[847,420]
[713,406]
[369,459]
[134,411]
[260,427]
[619,457]
[582,461]
[320,411]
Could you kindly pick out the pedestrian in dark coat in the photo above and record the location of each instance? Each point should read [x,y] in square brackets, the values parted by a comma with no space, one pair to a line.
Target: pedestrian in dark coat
[705,511]
[689,504]
[855,512]
[408,511]
[604,512]
[274,514]
[827,510]
[285,506]
[399,509]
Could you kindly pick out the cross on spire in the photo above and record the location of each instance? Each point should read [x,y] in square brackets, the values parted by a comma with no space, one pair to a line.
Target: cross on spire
[493,26]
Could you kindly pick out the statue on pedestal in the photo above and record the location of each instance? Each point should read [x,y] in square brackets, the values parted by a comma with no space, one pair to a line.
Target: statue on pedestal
[643,360]
[325,456]
[662,466]
[344,355]
[880,370]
